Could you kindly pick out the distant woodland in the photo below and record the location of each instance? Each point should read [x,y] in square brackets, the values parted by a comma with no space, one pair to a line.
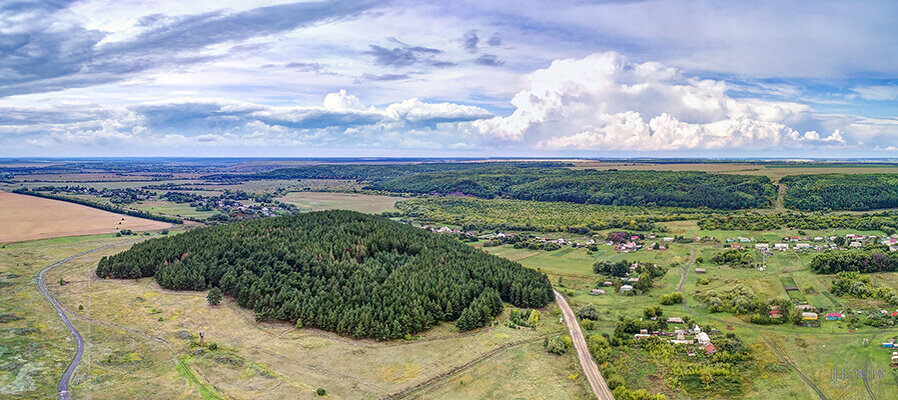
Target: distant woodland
[856,192]
[350,273]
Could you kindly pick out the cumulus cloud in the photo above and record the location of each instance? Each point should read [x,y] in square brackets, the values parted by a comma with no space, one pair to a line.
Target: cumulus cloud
[605,101]
[341,120]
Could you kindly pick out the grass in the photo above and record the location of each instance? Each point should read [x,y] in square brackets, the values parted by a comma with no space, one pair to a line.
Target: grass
[316,201]
[205,392]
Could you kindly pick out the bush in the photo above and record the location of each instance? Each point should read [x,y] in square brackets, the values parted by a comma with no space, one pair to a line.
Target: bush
[321,392]
[557,344]
[672,298]
[589,312]
[588,324]
[213,346]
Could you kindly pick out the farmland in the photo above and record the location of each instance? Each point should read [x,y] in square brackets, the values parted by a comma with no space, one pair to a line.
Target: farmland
[28,218]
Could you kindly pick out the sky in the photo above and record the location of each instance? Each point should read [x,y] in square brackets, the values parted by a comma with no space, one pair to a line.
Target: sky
[534,78]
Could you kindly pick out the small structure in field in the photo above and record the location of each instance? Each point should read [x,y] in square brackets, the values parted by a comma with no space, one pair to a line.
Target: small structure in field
[709,349]
[809,316]
[675,320]
[597,292]
[834,316]
[699,270]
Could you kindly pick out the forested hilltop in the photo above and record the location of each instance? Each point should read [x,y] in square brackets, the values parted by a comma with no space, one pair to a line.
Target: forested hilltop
[619,188]
[857,192]
[342,271]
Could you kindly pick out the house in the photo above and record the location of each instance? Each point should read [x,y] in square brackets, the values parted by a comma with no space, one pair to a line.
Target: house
[894,314]
[597,292]
[607,283]
[856,245]
[675,320]
[703,338]
[736,246]
[762,246]
[809,316]
[632,279]
[781,246]
[626,288]
[743,240]
[667,239]
[709,349]
[818,238]
[804,307]
[699,270]
[834,316]
[678,341]
[640,335]
[775,314]
[802,246]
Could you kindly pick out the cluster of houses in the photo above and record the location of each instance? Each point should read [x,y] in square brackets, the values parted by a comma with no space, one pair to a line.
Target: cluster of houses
[685,336]
[818,243]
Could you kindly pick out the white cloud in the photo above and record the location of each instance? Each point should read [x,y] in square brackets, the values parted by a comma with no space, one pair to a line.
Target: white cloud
[877,93]
[604,101]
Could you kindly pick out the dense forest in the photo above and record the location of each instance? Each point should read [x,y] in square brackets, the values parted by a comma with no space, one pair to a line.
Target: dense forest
[342,271]
[619,188]
[832,262]
[373,172]
[856,192]
[884,221]
[521,215]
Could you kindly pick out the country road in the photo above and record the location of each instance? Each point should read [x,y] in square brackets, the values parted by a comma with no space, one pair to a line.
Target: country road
[589,365]
[64,381]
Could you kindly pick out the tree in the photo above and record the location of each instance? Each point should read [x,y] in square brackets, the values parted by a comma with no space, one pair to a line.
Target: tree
[653,311]
[214,296]
[645,282]
[589,312]
[533,319]
[61,282]
[672,298]
[321,392]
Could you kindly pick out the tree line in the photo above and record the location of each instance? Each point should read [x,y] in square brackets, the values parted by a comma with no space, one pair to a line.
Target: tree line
[619,188]
[354,274]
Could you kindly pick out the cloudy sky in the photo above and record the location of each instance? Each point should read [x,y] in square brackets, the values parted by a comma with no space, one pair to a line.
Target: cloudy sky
[460,78]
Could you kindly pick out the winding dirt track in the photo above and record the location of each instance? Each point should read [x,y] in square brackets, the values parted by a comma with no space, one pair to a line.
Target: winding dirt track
[596,382]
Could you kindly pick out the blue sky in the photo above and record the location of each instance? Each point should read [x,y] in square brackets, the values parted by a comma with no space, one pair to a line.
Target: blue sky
[461,78]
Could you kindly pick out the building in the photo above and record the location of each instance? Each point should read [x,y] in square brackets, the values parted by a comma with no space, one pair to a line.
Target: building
[781,246]
[809,316]
[709,349]
[775,314]
[702,338]
[699,270]
[626,288]
[834,316]
[675,320]
[597,292]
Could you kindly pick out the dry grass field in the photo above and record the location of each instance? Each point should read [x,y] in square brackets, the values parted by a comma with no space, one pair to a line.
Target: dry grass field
[28,218]
[317,201]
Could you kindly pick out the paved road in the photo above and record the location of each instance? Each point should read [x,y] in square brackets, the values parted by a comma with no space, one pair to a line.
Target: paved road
[589,365]
[64,382]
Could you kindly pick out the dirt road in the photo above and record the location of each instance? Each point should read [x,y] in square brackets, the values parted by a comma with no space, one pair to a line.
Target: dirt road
[596,382]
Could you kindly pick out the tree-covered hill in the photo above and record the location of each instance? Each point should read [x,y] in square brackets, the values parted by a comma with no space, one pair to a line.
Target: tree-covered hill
[342,271]
[619,188]
[857,192]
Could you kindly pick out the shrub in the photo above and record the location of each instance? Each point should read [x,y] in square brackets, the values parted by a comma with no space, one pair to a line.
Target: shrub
[321,392]
[672,298]
[557,344]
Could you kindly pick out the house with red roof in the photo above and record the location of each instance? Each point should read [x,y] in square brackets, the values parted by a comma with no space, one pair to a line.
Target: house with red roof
[709,349]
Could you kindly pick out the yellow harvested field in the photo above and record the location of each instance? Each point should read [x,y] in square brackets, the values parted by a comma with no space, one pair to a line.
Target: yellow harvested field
[27,218]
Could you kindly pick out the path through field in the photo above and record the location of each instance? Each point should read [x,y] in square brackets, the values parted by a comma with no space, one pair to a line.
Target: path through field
[596,382]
